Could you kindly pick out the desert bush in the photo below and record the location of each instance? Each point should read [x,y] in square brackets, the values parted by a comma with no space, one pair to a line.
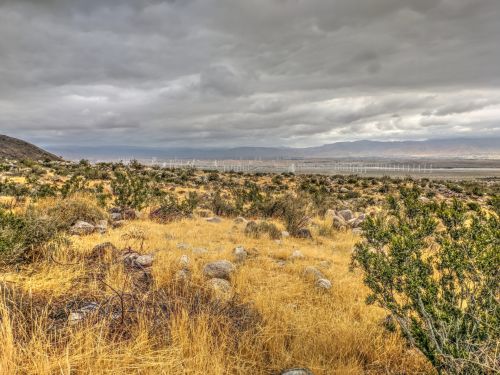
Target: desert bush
[221,206]
[172,209]
[294,214]
[440,285]
[130,189]
[22,234]
[66,212]
[256,230]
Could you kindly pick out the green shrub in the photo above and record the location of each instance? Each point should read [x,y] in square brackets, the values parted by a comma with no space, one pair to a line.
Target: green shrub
[440,285]
[130,189]
[22,234]
[66,212]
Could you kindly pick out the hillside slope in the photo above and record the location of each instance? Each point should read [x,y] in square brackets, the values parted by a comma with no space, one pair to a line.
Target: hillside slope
[13,148]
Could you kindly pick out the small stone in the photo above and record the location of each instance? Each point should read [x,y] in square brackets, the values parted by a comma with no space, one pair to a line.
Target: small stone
[115,216]
[213,219]
[357,231]
[285,234]
[143,261]
[240,254]
[184,262]
[344,190]
[297,254]
[82,228]
[77,316]
[324,284]
[102,226]
[297,371]
[221,269]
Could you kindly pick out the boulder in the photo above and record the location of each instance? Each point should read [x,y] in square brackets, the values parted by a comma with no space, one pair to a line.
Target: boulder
[346,214]
[82,228]
[221,269]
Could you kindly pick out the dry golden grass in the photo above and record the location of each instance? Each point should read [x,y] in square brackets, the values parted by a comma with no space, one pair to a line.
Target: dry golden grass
[330,332]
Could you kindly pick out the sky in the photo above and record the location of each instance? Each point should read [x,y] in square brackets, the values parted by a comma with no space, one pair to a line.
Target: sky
[226,73]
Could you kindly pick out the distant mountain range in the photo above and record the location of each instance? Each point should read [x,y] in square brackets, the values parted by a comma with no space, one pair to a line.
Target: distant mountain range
[463,148]
[16,149]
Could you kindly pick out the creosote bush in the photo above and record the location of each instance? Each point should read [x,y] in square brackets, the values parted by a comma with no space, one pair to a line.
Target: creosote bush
[65,213]
[436,268]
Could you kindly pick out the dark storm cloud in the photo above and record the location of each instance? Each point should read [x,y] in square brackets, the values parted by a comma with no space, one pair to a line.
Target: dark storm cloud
[236,72]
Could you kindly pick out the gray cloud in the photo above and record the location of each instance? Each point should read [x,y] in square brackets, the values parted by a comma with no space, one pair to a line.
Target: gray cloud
[235,72]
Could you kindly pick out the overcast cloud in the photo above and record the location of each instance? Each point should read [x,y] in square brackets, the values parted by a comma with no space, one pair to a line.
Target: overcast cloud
[241,72]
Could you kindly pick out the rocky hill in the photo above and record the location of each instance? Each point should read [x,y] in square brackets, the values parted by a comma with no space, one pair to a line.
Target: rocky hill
[13,148]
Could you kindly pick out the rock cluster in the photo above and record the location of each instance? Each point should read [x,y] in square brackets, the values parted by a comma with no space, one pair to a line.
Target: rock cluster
[345,219]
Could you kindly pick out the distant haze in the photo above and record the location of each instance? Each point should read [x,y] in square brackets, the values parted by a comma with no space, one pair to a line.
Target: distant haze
[442,148]
[230,73]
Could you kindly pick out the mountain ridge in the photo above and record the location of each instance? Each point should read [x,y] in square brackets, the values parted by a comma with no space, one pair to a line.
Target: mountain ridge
[466,148]
[17,149]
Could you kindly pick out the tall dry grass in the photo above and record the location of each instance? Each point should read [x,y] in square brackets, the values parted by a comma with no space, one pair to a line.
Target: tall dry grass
[278,319]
